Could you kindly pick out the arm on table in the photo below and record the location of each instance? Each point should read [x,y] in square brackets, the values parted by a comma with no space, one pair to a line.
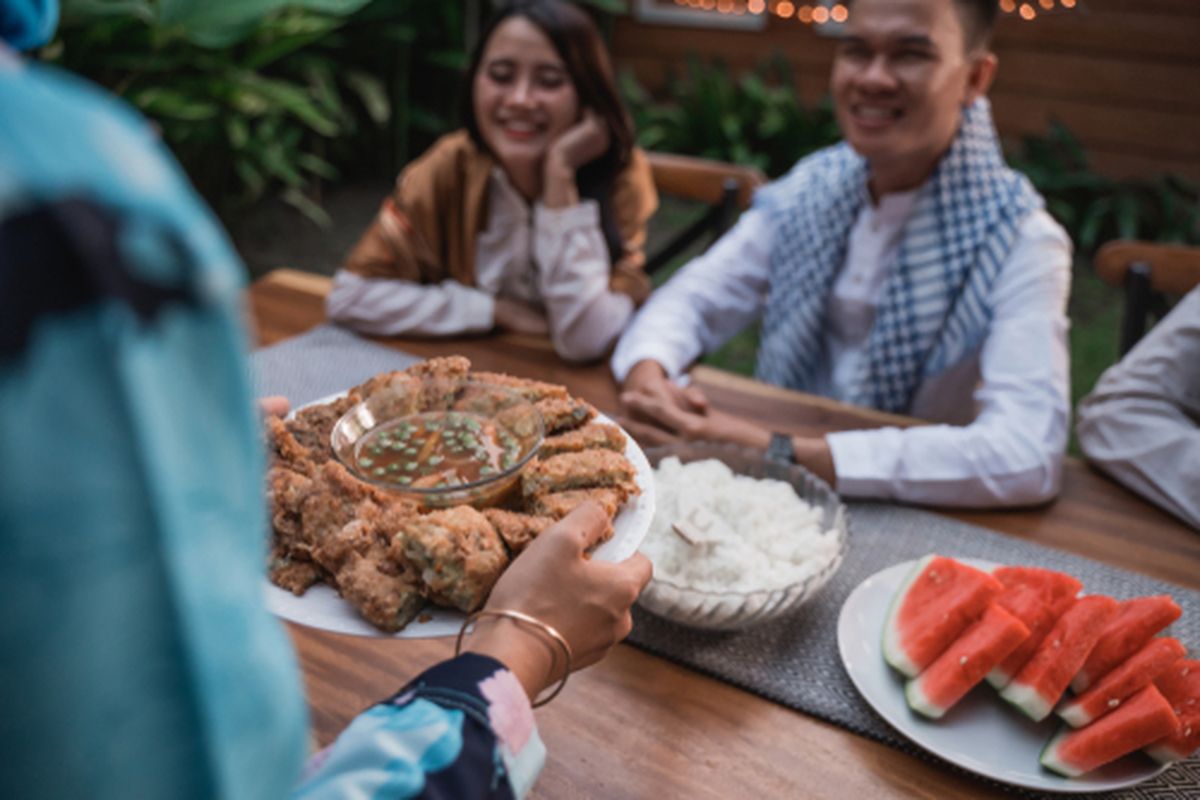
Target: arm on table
[394,307]
[1141,424]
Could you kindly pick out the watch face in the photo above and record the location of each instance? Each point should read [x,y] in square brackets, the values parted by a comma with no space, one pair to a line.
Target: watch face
[780,448]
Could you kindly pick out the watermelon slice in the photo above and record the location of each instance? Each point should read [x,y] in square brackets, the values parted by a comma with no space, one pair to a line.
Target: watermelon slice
[1146,718]
[1139,670]
[963,665]
[1136,621]
[1181,686]
[1038,597]
[1042,681]
[934,605]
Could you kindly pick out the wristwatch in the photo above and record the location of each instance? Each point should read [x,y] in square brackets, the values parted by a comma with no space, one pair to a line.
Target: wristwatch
[780,449]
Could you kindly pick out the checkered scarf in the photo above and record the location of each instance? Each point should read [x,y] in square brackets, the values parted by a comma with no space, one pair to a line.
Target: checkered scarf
[934,309]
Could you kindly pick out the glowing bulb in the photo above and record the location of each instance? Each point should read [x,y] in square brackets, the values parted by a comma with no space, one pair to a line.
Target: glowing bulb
[1067,3]
[756,6]
[1008,6]
[1046,4]
[820,15]
[839,13]
[724,6]
[785,9]
[1027,12]
[805,14]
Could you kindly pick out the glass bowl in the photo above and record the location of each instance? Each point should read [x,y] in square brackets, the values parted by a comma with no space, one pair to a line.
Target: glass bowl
[370,440]
[725,610]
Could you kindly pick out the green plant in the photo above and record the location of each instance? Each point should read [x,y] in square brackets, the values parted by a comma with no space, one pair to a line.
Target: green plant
[1094,208]
[247,94]
[756,119]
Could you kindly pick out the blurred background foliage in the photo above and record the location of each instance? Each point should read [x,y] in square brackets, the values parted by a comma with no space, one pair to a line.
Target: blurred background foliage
[271,97]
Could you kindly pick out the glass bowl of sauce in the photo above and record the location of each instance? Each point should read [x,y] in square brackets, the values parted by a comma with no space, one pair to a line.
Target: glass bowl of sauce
[447,445]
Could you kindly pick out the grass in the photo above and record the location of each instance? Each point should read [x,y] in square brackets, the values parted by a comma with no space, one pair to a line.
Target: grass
[1094,312]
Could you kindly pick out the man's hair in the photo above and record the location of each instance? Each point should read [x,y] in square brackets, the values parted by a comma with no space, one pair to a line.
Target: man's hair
[978,20]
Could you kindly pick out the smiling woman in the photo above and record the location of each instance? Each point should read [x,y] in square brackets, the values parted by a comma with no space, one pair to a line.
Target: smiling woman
[530,219]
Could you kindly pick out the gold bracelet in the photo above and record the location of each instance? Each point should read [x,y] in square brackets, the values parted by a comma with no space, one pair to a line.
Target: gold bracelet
[525,619]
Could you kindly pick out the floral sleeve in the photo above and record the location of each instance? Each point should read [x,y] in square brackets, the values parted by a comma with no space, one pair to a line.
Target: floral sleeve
[462,729]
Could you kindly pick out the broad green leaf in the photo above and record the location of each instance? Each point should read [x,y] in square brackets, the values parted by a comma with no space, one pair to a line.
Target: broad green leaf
[222,23]
[298,200]
[372,93]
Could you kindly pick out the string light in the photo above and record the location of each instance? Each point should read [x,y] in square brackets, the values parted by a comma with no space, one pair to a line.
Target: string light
[826,11]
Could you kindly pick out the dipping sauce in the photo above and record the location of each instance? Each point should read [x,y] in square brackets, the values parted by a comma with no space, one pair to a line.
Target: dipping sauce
[437,449]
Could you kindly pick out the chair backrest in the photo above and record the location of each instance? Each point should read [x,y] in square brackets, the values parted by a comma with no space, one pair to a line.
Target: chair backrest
[1147,272]
[725,188]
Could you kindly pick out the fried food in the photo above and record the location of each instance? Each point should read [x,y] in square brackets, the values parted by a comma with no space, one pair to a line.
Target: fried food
[312,425]
[586,469]
[457,553]
[594,435]
[561,414]
[294,575]
[558,504]
[383,587]
[515,528]
[529,389]
[382,551]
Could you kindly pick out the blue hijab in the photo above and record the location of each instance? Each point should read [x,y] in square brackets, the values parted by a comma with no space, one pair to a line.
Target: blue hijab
[26,24]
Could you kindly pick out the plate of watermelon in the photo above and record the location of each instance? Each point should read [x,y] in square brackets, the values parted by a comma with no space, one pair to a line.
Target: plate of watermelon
[1096,699]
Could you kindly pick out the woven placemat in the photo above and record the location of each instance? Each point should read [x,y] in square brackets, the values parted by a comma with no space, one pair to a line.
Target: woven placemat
[794,660]
[321,362]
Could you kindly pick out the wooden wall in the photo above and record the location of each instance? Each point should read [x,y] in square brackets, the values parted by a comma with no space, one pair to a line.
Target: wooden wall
[1123,75]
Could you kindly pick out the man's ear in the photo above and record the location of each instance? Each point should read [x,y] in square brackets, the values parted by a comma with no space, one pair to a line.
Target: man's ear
[983,72]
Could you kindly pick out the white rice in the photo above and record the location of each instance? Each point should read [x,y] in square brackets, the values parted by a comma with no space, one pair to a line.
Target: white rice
[774,539]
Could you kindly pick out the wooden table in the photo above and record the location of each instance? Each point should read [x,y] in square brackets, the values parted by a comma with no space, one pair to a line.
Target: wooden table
[637,726]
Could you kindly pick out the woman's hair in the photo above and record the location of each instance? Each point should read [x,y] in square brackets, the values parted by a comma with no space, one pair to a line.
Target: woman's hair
[578,43]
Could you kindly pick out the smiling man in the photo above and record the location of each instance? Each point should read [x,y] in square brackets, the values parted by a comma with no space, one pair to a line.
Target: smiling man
[907,269]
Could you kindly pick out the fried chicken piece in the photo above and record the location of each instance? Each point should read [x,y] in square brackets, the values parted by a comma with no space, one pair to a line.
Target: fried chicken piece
[586,469]
[457,553]
[391,394]
[386,591]
[517,529]
[558,504]
[594,435]
[283,448]
[531,390]
[292,574]
[312,426]
[564,414]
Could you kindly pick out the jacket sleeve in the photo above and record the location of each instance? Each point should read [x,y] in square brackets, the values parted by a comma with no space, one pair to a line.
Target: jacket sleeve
[404,240]
[462,729]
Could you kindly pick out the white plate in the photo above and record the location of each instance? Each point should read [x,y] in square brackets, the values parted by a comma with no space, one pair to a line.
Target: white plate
[982,733]
[322,607]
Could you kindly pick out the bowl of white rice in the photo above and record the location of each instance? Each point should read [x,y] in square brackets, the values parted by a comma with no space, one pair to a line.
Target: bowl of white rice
[737,539]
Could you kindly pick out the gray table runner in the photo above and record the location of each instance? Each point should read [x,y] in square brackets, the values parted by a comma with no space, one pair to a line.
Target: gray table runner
[321,362]
[793,661]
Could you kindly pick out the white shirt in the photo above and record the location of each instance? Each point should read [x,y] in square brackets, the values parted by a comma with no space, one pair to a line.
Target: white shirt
[1003,411]
[555,259]
[1141,424]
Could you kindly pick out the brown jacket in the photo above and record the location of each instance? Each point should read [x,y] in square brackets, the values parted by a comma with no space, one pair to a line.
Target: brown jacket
[425,230]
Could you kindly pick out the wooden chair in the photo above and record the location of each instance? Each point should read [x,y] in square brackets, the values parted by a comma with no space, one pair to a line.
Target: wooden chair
[725,188]
[1148,273]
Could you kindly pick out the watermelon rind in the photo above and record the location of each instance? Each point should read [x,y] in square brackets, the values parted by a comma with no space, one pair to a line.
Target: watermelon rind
[998,678]
[917,701]
[1164,754]
[1074,715]
[893,653]
[1051,760]
[1026,698]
